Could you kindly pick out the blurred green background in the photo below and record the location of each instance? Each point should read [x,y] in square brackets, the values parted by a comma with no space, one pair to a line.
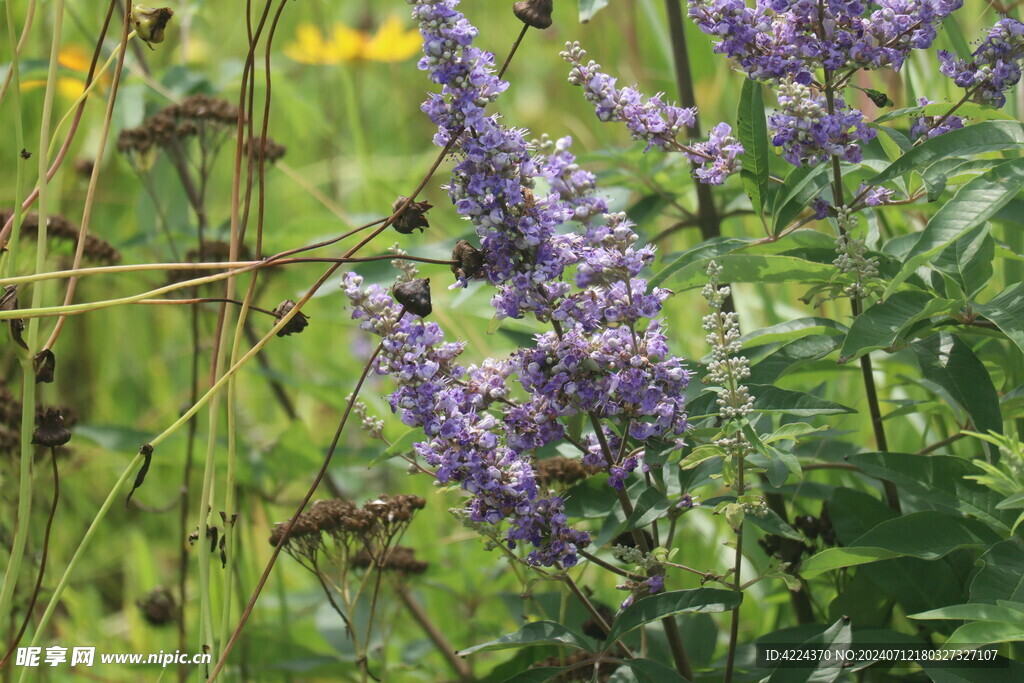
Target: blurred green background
[349,117]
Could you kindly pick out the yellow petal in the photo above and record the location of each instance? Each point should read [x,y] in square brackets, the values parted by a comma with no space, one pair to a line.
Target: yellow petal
[392,42]
[347,43]
[70,88]
[74,57]
[309,46]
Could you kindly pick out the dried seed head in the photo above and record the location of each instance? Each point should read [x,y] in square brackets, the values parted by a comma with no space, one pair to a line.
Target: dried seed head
[298,323]
[150,23]
[158,607]
[50,430]
[415,296]
[535,13]
[272,151]
[469,261]
[412,218]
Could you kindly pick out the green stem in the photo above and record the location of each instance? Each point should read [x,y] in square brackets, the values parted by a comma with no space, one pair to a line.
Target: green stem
[58,591]
[28,392]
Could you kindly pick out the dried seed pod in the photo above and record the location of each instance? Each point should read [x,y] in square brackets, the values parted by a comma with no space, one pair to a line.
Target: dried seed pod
[50,430]
[535,13]
[298,323]
[150,23]
[469,261]
[412,218]
[415,296]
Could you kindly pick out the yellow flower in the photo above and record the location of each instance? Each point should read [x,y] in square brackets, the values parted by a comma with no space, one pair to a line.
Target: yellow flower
[73,58]
[391,43]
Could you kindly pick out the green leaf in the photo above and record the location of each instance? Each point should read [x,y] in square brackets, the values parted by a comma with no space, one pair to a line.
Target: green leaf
[651,505]
[968,261]
[538,674]
[536,633]
[753,133]
[1006,310]
[648,671]
[927,535]
[753,268]
[938,479]
[975,203]
[588,8]
[1001,577]
[712,248]
[949,362]
[771,399]
[402,445]
[791,355]
[938,109]
[987,136]
[882,325]
[987,632]
[799,189]
[655,607]
[974,612]
[773,524]
[792,329]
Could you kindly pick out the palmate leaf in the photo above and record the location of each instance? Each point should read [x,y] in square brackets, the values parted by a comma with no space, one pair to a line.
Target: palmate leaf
[927,535]
[882,325]
[1006,310]
[981,138]
[939,480]
[976,202]
[949,362]
[772,268]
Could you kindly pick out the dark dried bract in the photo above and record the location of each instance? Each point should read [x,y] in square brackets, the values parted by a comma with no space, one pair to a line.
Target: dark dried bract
[562,470]
[45,363]
[414,296]
[593,629]
[50,430]
[469,261]
[412,218]
[158,607]
[534,13]
[297,324]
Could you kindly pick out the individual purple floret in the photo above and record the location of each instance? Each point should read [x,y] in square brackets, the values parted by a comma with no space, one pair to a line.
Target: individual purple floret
[793,39]
[993,68]
[808,134]
[653,121]
[924,126]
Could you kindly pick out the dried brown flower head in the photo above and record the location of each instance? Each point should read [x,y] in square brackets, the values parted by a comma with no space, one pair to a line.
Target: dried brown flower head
[412,218]
[297,324]
[158,607]
[414,296]
[469,261]
[534,13]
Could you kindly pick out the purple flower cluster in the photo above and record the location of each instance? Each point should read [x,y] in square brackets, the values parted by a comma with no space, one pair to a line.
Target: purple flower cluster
[925,126]
[601,359]
[993,68]
[809,134]
[652,120]
[791,39]
[467,443]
